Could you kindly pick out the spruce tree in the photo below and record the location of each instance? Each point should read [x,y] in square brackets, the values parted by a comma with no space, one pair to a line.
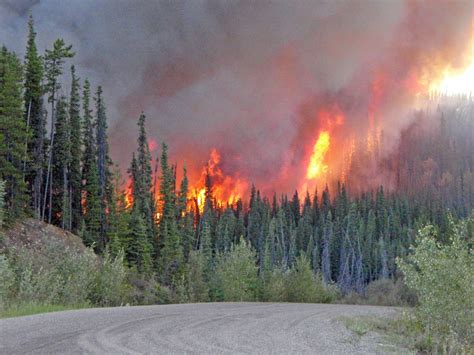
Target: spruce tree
[75,180]
[34,118]
[90,177]
[172,259]
[13,134]
[143,197]
[53,62]
[60,166]
[103,164]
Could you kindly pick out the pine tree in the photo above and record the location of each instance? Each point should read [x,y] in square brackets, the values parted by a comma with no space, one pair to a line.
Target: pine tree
[328,235]
[90,177]
[34,118]
[60,166]
[75,181]
[103,164]
[143,197]
[119,218]
[185,219]
[13,134]
[172,259]
[140,249]
[53,62]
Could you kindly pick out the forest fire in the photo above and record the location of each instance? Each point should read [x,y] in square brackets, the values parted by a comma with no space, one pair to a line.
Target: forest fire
[225,189]
[317,165]
[325,147]
[455,82]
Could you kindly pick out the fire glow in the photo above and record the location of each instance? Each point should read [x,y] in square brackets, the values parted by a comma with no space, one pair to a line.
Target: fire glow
[455,82]
[226,190]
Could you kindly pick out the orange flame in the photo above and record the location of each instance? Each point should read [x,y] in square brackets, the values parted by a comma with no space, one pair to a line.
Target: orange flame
[226,189]
[316,163]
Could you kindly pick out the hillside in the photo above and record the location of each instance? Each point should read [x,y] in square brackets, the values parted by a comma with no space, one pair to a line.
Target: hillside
[35,235]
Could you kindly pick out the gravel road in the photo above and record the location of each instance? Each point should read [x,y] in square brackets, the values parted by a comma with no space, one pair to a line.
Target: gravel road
[192,328]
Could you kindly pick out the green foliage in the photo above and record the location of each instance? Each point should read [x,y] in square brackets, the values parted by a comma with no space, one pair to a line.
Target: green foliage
[13,134]
[58,275]
[110,286]
[2,203]
[303,286]
[34,118]
[75,151]
[237,271]
[274,287]
[384,292]
[7,282]
[442,276]
[197,287]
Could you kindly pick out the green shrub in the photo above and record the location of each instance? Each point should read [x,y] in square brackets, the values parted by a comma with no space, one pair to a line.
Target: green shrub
[274,287]
[110,286]
[383,292]
[7,282]
[301,284]
[56,275]
[442,276]
[237,271]
[197,287]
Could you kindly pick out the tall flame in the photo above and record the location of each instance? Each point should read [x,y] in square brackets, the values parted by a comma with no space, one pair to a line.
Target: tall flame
[317,163]
[226,189]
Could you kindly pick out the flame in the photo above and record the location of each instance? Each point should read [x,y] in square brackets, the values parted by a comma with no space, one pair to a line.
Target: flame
[455,82]
[325,147]
[128,192]
[226,189]
[152,144]
[316,163]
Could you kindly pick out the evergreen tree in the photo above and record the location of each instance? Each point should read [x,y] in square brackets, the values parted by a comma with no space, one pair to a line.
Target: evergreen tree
[75,180]
[140,249]
[13,134]
[328,235]
[143,197]
[103,164]
[60,166]
[34,118]
[53,62]
[172,259]
[90,177]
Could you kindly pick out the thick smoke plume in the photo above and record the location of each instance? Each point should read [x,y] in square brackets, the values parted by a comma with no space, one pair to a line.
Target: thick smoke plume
[250,77]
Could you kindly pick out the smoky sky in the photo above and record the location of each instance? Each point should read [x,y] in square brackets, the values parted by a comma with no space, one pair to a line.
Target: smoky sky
[233,75]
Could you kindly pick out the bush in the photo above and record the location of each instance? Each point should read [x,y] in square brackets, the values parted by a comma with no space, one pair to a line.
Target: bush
[197,286]
[145,290]
[300,285]
[274,287]
[110,287]
[56,275]
[442,276]
[387,292]
[237,272]
[384,292]
[7,282]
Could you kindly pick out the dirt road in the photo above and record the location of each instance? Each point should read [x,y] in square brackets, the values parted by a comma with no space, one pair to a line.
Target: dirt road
[192,328]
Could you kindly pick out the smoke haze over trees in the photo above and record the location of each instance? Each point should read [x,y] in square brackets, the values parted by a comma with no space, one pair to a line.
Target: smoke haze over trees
[201,70]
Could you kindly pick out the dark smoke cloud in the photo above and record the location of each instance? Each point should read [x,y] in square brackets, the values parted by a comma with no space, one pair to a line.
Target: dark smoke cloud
[235,75]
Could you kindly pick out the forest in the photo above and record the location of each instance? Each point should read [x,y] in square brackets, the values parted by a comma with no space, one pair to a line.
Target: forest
[308,246]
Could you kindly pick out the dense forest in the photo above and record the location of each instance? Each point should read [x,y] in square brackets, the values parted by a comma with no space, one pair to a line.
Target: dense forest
[54,159]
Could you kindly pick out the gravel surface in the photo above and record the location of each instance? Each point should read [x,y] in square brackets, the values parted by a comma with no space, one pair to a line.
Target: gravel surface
[192,328]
